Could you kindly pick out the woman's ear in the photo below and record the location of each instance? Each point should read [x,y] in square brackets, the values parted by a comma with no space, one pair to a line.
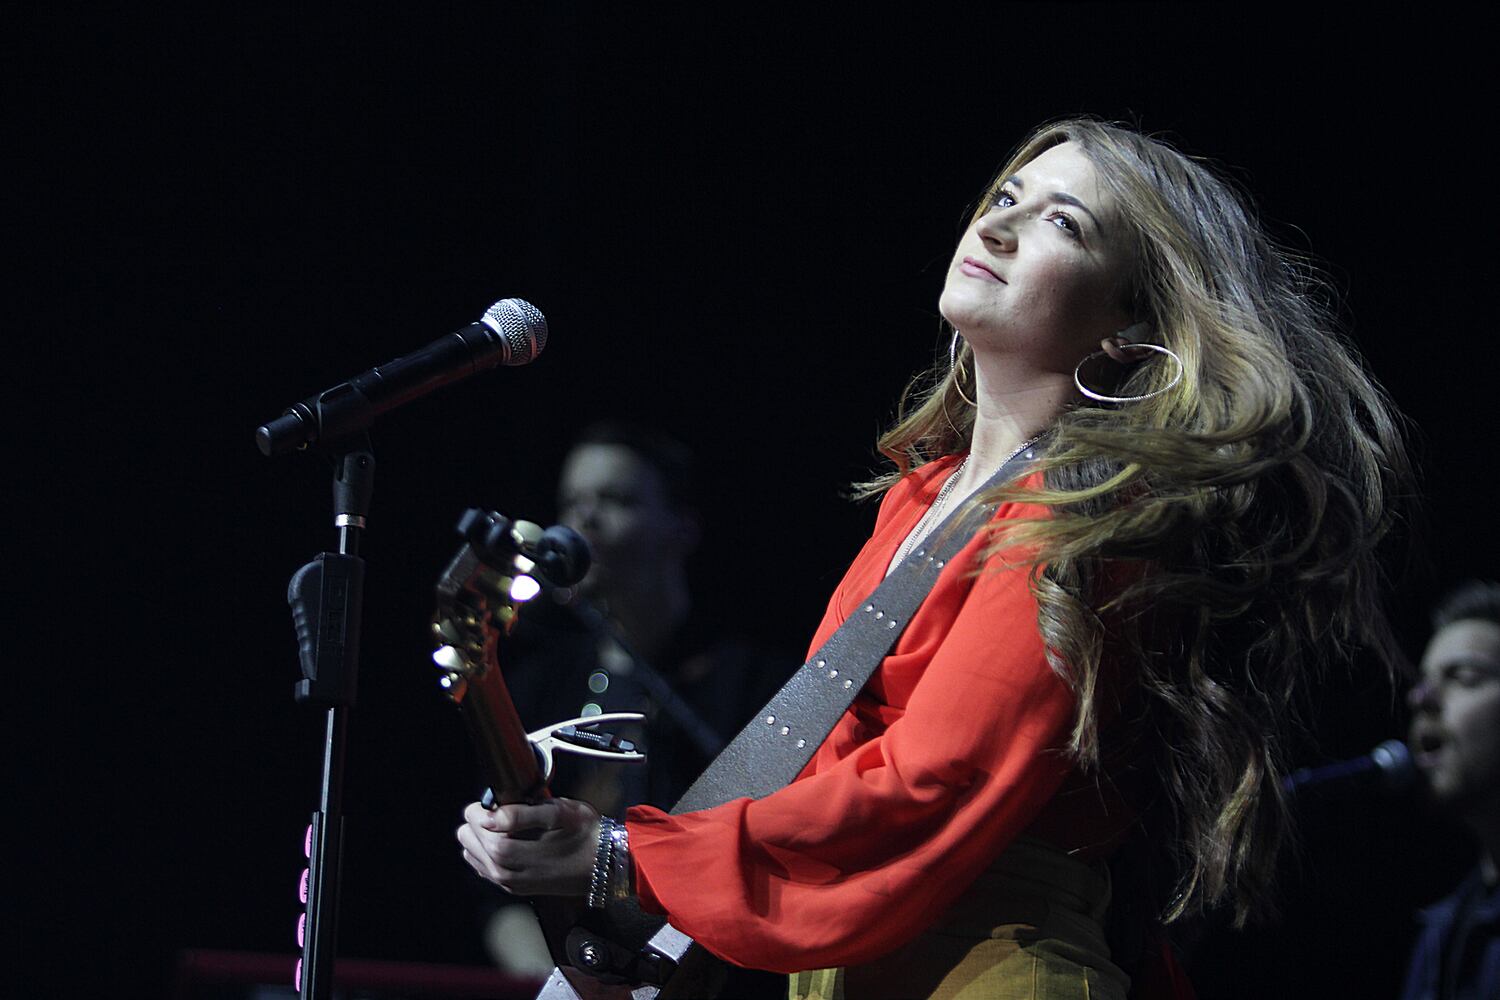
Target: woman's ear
[1118,347]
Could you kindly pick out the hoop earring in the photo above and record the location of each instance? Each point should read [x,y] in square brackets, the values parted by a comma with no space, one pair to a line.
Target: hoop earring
[955,371]
[1091,394]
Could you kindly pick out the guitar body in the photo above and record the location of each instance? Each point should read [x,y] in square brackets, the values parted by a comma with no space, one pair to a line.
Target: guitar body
[637,954]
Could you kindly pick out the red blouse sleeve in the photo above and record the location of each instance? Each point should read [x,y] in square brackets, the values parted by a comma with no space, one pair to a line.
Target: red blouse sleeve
[947,755]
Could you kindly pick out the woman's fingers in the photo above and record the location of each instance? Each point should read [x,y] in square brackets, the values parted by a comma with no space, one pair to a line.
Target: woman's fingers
[515,818]
[547,848]
[481,855]
[491,841]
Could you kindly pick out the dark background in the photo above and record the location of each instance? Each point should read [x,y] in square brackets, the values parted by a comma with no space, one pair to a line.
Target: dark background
[737,227]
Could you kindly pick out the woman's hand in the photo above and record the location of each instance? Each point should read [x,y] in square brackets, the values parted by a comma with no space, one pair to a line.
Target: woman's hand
[541,850]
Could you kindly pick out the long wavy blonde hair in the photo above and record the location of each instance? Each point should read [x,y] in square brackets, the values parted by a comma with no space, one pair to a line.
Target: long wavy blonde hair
[1217,541]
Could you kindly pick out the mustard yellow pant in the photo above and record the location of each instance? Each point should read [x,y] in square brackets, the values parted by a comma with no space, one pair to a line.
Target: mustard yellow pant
[1027,929]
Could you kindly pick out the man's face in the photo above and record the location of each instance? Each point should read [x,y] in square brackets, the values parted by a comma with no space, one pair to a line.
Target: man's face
[618,502]
[1455,729]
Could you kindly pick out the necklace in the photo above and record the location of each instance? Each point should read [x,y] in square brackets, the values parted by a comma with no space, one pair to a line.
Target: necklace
[940,502]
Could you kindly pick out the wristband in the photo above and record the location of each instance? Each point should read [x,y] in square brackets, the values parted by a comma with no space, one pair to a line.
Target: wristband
[610,879]
[618,888]
[599,878]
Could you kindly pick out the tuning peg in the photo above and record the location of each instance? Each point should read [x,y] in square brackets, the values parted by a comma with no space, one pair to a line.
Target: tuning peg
[450,659]
[468,521]
[526,535]
[492,585]
[454,685]
[445,632]
[494,542]
[563,555]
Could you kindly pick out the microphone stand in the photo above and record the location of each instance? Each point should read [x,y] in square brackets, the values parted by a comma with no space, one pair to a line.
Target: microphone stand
[326,596]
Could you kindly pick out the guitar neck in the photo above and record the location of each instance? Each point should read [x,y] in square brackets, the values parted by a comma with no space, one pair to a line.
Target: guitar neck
[506,756]
[476,607]
[469,593]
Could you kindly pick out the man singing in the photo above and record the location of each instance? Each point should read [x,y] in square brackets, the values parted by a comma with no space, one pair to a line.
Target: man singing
[1455,736]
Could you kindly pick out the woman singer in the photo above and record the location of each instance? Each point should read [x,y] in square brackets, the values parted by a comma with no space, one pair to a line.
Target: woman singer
[1110,663]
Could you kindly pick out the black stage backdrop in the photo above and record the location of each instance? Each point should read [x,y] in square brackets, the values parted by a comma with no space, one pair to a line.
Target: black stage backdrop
[737,227]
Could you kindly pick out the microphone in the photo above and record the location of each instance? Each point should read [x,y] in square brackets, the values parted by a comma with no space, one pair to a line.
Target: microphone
[1386,770]
[511,332]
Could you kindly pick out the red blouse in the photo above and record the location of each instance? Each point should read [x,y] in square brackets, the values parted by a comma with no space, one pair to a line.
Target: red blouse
[949,752]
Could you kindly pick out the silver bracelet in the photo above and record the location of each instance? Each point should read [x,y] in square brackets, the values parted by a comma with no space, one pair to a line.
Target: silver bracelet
[599,878]
[619,887]
[610,879]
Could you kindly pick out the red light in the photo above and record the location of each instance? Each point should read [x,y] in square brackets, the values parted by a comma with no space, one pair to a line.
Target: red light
[307,842]
[302,890]
[302,931]
[297,977]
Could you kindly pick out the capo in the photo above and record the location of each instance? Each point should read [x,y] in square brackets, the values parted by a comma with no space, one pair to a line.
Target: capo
[573,737]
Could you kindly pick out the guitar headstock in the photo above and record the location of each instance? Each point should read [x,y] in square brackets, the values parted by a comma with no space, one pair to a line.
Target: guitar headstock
[501,566]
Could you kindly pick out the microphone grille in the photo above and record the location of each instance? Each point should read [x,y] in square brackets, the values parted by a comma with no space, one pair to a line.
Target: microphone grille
[1397,769]
[522,329]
